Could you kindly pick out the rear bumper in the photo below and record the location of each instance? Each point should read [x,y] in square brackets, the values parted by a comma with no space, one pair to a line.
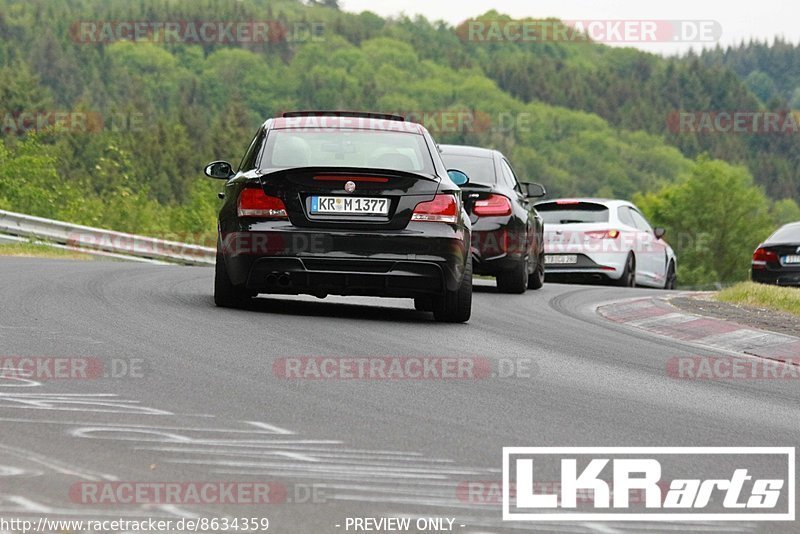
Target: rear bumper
[597,266]
[346,277]
[780,278]
[497,245]
[276,257]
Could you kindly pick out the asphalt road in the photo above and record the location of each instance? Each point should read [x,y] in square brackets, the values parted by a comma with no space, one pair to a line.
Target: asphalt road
[204,402]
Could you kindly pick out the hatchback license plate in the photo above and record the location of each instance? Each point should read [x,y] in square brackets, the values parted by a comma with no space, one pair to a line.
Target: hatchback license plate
[350,205]
[790,260]
[561,258]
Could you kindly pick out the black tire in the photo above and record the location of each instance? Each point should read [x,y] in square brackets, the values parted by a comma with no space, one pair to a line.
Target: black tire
[455,306]
[628,278]
[672,277]
[536,280]
[423,304]
[227,295]
[515,280]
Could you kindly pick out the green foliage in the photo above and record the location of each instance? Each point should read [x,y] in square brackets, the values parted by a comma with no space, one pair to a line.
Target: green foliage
[761,85]
[715,216]
[785,211]
[584,119]
[29,181]
[777,64]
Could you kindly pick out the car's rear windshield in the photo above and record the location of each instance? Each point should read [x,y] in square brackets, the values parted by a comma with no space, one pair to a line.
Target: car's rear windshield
[480,169]
[572,212]
[347,148]
[786,234]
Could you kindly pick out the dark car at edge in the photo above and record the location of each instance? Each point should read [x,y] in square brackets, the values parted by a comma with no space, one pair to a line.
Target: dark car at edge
[344,203]
[777,260]
[507,232]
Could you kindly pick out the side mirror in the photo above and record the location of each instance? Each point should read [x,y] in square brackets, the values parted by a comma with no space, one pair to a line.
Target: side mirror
[659,232]
[220,170]
[458,177]
[534,190]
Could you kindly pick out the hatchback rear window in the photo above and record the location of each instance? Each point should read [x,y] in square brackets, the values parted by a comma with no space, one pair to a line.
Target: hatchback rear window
[572,212]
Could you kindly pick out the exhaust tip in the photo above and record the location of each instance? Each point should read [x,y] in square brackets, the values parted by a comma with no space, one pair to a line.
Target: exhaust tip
[284,280]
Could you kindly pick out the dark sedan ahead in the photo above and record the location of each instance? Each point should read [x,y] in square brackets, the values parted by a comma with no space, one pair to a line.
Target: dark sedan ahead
[777,260]
[344,203]
[507,240]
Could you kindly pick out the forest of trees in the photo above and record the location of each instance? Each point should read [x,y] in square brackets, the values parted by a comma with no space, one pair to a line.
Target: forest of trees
[770,70]
[582,118]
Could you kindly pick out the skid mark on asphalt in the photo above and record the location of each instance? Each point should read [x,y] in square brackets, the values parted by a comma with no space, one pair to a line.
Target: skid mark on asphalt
[76,402]
[57,466]
[22,484]
[404,480]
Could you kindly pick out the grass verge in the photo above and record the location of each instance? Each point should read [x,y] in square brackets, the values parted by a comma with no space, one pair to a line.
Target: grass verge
[32,250]
[786,299]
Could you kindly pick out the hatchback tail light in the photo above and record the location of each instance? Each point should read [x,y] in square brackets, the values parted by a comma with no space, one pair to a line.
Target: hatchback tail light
[253,202]
[762,256]
[443,208]
[493,205]
[603,234]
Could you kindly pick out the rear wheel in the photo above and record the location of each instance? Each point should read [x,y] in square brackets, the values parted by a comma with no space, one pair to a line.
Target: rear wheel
[672,277]
[515,280]
[536,280]
[227,295]
[628,278]
[455,306]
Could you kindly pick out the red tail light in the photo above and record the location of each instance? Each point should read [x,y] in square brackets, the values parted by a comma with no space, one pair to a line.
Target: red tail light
[603,234]
[443,208]
[761,257]
[253,202]
[493,205]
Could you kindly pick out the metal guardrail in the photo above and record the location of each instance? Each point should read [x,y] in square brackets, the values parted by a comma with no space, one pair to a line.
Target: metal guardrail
[107,242]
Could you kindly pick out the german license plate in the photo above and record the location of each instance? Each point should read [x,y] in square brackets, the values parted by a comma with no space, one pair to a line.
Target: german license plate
[789,260]
[560,259]
[349,205]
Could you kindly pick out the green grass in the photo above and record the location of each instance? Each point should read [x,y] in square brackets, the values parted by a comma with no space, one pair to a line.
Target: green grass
[32,250]
[786,299]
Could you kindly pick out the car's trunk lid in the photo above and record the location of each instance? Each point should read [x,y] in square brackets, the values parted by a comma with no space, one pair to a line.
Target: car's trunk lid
[364,197]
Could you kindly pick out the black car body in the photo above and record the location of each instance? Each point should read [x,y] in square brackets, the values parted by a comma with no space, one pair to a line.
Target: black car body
[507,232]
[777,260]
[401,230]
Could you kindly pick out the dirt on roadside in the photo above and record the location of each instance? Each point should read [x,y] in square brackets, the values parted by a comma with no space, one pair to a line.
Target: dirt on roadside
[754,317]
